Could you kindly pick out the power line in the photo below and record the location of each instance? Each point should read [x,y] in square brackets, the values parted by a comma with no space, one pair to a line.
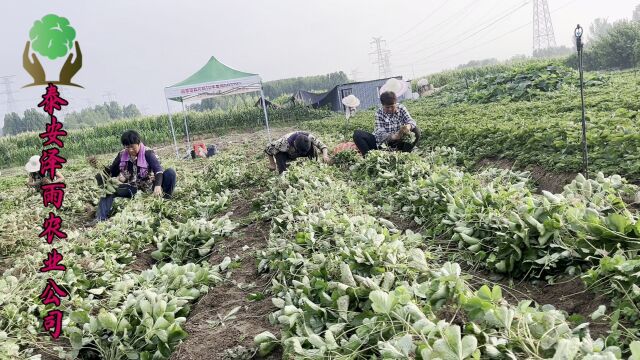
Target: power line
[421,21]
[442,25]
[456,42]
[509,32]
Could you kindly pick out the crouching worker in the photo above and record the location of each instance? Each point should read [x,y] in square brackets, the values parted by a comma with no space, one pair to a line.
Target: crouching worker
[292,146]
[35,180]
[136,168]
[393,126]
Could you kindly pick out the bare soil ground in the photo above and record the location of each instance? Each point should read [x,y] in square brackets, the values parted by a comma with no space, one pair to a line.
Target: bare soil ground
[208,338]
[143,260]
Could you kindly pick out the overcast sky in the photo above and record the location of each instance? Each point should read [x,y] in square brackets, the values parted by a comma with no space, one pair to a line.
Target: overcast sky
[134,48]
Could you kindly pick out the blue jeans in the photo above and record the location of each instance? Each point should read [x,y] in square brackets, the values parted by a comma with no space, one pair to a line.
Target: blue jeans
[129,191]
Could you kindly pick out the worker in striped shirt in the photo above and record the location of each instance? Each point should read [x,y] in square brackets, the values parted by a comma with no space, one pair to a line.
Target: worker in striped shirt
[392,128]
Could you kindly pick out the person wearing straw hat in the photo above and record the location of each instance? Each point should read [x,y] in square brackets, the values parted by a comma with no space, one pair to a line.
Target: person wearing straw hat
[393,123]
[292,146]
[35,179]
[350,103]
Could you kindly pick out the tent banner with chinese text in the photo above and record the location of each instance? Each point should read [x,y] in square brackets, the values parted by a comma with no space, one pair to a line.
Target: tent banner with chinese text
[212,89]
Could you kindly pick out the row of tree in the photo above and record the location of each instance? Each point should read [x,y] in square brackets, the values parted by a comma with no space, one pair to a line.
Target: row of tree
[273,89]
[612,46]
[99,114]
[226,103]
[35,120]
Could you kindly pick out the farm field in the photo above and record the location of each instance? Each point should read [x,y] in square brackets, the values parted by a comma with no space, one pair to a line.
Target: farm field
[436,254]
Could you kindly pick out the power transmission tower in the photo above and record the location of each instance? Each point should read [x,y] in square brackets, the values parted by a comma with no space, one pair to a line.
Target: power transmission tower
[11,102]
[543,36]
[382,57]
[109,95]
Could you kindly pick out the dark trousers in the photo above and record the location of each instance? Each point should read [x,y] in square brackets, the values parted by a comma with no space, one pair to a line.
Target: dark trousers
[366,142]
[129,191]
[281,161]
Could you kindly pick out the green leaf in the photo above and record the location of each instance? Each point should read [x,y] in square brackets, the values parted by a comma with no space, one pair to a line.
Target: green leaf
[266,348]
[316,341]
[159,308]
[484,293]
[79,316]
[618,222]
[496,293]
[124,324]
[145,307]
[452,346]
[469,345]
[161,324]
[346,277]
[382,302]
[97,291]
[75,339]
[108,320]
[343,307]
[175,333]
[599,312]
[277,302]
[635,350]
[264,337]
[567,349]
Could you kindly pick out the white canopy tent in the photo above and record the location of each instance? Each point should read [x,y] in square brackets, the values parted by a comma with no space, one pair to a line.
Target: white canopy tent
[212,80]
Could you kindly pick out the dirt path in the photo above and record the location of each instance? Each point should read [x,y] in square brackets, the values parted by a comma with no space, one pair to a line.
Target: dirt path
[208,338]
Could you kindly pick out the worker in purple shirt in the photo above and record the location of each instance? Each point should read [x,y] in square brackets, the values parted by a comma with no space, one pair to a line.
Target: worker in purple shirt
[393,122]
[136,168]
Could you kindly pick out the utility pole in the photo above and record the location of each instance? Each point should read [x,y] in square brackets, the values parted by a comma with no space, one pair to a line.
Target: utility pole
[543,35]
[382,56]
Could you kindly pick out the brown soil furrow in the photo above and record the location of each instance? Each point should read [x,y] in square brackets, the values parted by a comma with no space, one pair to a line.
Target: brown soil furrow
[208,337]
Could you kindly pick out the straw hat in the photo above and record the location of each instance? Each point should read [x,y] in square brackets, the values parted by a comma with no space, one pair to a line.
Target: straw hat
[351,101]
[396,86]
[423,82]
[33,165]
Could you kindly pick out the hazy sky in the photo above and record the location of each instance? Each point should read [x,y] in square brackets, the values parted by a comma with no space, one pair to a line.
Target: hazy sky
[133,49]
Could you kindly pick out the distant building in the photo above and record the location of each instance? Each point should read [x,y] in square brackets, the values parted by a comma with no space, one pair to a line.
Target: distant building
[366,91]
